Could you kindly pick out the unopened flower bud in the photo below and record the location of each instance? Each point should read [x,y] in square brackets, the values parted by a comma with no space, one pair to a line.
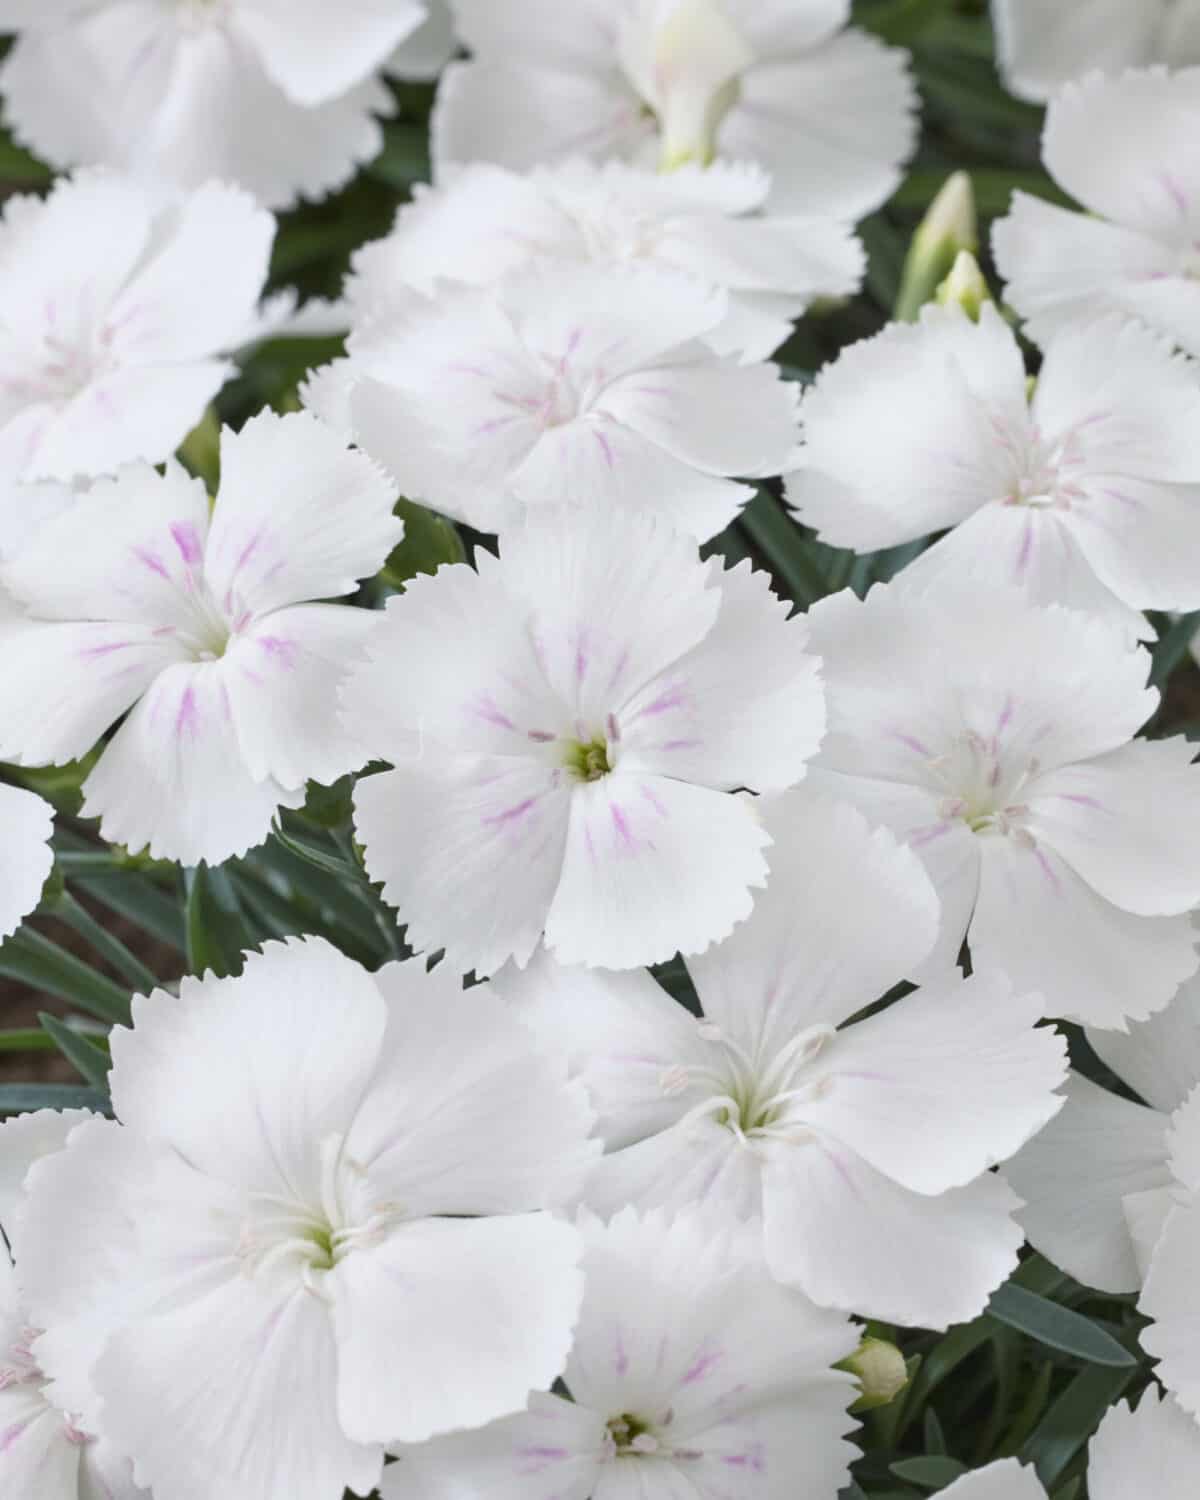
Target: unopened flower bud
[949,227]
[965,287]
[881,1373]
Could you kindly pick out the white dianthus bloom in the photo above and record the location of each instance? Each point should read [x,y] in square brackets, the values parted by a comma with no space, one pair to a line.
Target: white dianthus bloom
[584,385]
[320,1226]
[1153,1451]
[573,721]
[118,305]
[196,625]
[997,740]
[692,1374]
[487,223]
[1043,44]
[1113,144]
[1097,1182]
[26,858]
[864,1148]
[1086,495]
[278,98]
[1168,1219]
[45,1452]
[828,111]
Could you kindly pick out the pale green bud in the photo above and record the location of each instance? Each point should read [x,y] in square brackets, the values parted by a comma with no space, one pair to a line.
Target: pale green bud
[881,1373]
[949,227]
[965,287]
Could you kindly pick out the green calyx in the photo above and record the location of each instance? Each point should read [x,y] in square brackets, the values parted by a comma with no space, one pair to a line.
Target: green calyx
[588,761]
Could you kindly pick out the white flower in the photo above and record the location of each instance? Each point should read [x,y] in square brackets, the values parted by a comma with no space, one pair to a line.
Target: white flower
[865,1148]
[26,858]
[45,1454]
[1170,1223]
[1152,1452]
[280,99]
[692,1374]
[1097,1182]
[582,385]
[118,303]
[422,55]
[487,223]
[1087,495]
[997,740]
[1042,44]
[1112,144]
[199,629]
[827,111]
[319,1227]
[572,722]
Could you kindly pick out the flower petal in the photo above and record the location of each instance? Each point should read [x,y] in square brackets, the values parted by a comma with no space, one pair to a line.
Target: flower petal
[1128,823]
[1049,931]
[431,1287]
[26,858]
[851,1238]
[315,54]
[941,1085]
[1168,1298]
[1006,1480]
[653,867]
[1043,44]
[833,124]
[25,1139]
[289,1049]
[299,515]
[465,1114]
[1156,1446]
[846,913]
[469,854]
[1100,1150]
[172,779]
[744,708]
[1158,1058]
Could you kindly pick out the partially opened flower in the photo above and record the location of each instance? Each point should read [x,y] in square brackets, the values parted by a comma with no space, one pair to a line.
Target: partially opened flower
[118,305]
[1097,1181]
[863,1145]
[320,1226]
[1112,144]
[574,719]
[1043,44]
[826,110]
[692,1374]
[1087,494]
[998,741]
[279,99]
[196,626]
[486,223]
[1153,1451]
[45,1454]
[581,385]
[26,857]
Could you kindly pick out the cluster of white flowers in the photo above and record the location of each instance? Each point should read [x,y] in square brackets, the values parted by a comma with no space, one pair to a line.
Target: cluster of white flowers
[547,1234]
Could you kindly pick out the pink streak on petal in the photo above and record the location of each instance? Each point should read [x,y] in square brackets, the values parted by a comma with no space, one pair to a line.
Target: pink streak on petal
[1081,800]
[1047,869]
[280,650]
[648,794]
[605,448]
[1026,552]
[924,836]
[911,743]
[94,651]
[703,1367]
[621,824]
[187,540]
[188,717]
[148,560]
[511,814]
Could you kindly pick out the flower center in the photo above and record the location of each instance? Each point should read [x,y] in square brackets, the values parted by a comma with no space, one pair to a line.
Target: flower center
[755,1097]
[1045,472]
[982,787]
[587,760]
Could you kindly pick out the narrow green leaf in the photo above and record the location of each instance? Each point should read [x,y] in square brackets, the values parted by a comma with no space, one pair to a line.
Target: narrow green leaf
[92,1062]
[901,22]
[1030,1412]
[24,1098]
[430,542]
[932,1472]
[132,970]
[935,1438]
[1172,647]
[25,1039]
[1057,1327]
[785,548]
[32,959]
[1069,1424]
[216,932]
